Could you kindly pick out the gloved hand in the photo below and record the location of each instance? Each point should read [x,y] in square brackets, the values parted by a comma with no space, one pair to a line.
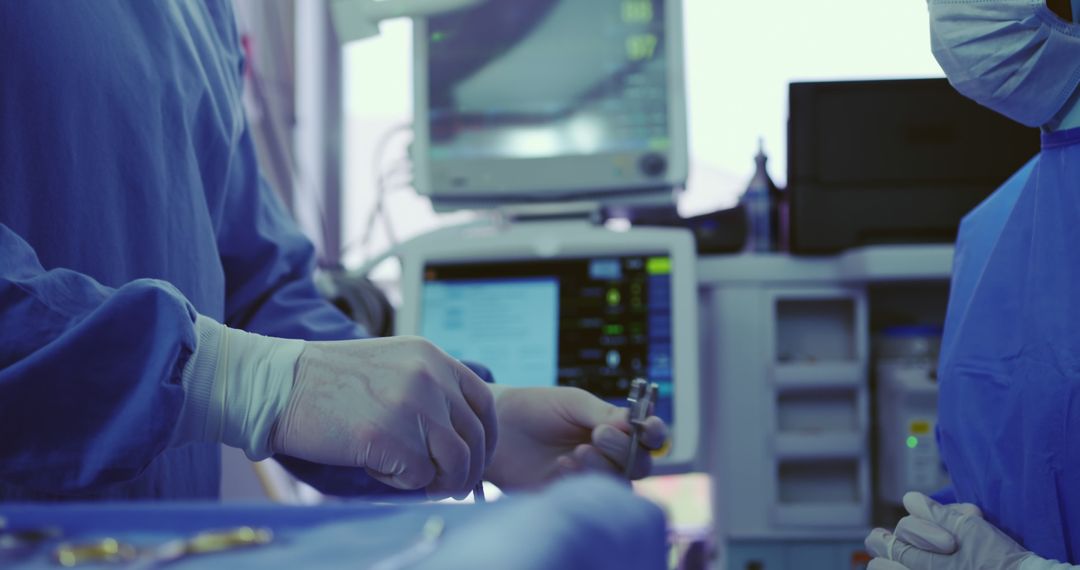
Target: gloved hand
[548,432]
[407,412]
[942,537]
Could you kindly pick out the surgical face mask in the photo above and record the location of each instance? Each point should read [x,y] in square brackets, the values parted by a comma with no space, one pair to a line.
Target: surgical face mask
[1014,56]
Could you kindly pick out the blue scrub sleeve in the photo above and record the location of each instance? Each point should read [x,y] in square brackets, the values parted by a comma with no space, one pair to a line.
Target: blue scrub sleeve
[269,265]
[90,377]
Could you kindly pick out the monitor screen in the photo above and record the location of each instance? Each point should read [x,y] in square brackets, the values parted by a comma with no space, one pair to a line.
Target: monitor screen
[522,100]
[538,78]
[594,323]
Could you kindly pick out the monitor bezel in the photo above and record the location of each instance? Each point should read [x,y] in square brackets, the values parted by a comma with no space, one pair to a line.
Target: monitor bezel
[576,177]
[572,240]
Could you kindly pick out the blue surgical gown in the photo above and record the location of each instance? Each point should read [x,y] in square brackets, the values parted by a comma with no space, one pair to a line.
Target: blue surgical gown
[130,201]
[1009,407]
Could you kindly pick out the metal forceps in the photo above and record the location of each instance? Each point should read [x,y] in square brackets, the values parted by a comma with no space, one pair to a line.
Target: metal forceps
[642,397]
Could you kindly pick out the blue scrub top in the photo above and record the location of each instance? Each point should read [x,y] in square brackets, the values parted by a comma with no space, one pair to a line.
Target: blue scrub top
[1009,408]
[130,201]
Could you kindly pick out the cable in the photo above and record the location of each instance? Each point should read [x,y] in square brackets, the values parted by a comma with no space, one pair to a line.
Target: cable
[403,170]
[380,179]
[395,251]
[383,184]
[281,157]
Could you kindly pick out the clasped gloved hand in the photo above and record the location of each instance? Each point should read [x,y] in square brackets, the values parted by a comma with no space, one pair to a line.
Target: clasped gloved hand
[399,407]
[944,537]
[404,410]
[546,433]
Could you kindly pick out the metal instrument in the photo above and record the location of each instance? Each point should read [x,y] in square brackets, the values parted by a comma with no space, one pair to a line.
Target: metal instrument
[209,542]
[18,542]
[104,550]
[642,398]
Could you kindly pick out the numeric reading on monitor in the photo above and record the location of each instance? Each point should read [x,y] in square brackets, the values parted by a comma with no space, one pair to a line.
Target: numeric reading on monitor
[637,11]
[591,323]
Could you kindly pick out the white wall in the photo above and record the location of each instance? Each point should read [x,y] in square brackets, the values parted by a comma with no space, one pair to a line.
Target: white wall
[742,55]
[740,58]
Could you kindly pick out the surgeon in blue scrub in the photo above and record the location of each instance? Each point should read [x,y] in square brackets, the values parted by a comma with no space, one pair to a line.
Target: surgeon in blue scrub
[156,301]
[1009,409]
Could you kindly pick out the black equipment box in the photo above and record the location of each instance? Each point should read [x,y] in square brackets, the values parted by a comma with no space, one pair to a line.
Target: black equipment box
[897,161]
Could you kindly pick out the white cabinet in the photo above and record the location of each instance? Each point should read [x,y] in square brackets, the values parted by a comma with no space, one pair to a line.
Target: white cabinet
[789,370]
[786,364]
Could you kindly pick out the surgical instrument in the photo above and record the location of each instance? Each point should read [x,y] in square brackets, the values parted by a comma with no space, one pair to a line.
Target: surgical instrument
[104,550]
[641,399]
[208,542]
[17,542]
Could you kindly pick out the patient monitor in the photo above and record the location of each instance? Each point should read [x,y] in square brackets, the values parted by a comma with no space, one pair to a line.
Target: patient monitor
[523,101]
[572,105]
[566,304]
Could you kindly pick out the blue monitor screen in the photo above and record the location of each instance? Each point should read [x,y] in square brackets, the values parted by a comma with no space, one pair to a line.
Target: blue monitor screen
[548,78]
[591,323]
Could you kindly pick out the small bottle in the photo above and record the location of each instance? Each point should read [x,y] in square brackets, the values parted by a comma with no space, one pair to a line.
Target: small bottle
[757,201]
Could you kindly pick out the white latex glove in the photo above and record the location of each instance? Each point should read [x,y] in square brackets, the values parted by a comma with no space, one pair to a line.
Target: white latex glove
[407,412]
[918,530]
[235,385]
[939,537]
[548,432]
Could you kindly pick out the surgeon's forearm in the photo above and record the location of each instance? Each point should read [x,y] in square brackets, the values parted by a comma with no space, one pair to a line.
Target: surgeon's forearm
[1037,563]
